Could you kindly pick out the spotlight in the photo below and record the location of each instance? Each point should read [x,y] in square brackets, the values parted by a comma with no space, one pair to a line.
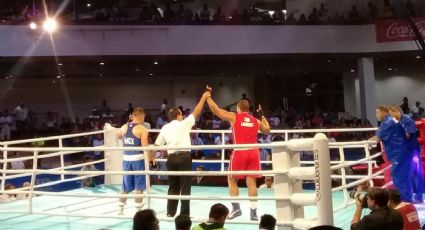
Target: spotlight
[352,70]
[390,69]
[88,5]
[58,77]
[50,25]
[418,56]
[60,64]
[102,63]
[33,26]
[155,63]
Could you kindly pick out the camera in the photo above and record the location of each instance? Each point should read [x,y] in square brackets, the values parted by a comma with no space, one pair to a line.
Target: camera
[362,196]
[360,193]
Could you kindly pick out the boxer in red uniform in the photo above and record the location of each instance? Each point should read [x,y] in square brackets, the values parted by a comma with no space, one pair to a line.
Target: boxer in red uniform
[245,131]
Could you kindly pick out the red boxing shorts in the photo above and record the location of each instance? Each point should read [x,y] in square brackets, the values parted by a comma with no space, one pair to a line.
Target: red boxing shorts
[245,160]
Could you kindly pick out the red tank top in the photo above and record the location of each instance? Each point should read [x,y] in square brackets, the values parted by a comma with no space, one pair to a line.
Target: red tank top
[410,217]
[245,129]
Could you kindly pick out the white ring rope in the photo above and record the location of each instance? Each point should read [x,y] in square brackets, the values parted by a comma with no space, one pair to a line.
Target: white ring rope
[367,159]
[364,179]
[51,138]
[6,143]
[162,173]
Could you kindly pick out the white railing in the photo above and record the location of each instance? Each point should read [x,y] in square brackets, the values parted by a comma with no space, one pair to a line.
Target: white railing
[292,146]
[62,170]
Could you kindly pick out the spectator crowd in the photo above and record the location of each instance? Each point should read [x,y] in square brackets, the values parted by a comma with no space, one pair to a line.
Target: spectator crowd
[178,13]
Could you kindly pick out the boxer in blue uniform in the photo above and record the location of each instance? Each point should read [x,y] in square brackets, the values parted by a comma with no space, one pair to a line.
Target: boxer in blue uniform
[392,134]
[133,134]
[409,127]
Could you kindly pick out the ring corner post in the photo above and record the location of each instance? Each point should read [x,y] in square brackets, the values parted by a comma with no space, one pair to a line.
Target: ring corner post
[322,180]
[282,184]
[115,157]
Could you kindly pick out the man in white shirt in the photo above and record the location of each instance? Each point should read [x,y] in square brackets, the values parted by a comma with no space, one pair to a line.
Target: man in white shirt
[268,182]
[174,134]
[415,109]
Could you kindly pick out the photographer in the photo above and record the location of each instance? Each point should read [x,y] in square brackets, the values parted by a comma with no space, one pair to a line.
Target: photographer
[381,217]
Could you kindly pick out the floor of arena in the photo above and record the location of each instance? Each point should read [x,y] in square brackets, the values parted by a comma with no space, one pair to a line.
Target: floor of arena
[108,206]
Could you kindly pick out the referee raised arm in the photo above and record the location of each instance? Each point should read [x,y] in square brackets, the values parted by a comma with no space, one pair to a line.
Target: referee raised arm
[177,133]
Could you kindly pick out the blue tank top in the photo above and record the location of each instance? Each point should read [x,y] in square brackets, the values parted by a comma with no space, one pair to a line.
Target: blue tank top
[129,140]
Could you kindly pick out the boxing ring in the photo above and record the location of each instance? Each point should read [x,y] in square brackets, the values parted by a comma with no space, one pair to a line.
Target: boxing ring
[293,206]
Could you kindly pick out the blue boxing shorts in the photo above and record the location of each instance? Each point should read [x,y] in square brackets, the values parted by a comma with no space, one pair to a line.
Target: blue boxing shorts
[133,182]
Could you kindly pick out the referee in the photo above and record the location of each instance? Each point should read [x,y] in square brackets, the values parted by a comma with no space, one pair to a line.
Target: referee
[177,134]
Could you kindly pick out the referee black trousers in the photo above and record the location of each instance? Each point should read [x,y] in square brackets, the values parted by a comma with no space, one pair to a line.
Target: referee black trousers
[179,161]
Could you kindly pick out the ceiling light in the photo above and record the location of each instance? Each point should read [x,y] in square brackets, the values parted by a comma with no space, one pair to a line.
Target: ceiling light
[50,25]
[155,63]
[102,63]
[352,70]
[60,64]
[33,26]
[390,69]
[418,56]
[58,77]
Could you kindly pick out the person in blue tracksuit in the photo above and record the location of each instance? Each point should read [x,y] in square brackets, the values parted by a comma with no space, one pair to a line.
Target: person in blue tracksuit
[409,127]
[393,136]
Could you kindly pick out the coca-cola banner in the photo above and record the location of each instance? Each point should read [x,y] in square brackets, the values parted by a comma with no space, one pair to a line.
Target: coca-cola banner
[398,30]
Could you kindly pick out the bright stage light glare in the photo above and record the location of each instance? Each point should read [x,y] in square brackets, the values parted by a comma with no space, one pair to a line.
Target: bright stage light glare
[50,25]
[33,26]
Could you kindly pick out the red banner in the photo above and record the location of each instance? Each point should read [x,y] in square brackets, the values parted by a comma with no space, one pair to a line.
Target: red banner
[398,30]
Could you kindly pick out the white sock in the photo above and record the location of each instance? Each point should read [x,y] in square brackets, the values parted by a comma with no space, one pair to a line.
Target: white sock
[253,204]
[139,205]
